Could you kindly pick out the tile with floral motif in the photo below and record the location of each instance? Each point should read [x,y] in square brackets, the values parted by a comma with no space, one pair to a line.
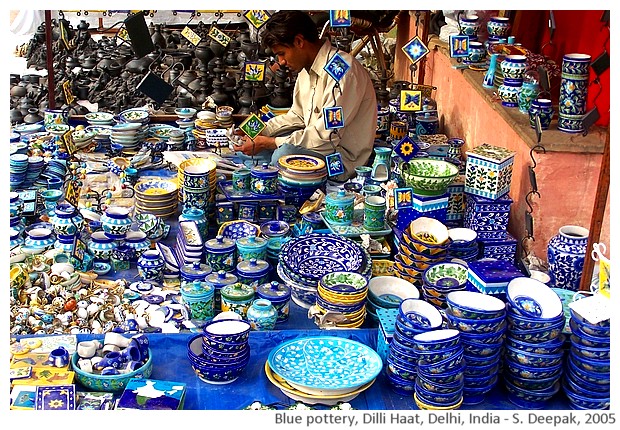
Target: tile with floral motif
[337,67]
[252,126]
[340,18]
[406,148]
[55,398]
[254,71]
[415,49]
[257,18]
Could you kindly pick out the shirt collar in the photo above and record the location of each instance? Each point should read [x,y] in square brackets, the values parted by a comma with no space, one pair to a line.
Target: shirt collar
[321,57]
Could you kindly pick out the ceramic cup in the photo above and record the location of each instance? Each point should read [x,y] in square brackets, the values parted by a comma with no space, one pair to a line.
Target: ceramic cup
[374,213]
[58,357]
[241,180]
[111,359]
[87,349]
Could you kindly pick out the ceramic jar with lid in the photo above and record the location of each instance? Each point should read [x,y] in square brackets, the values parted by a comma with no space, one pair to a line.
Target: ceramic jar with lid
[237,297]
[253,272]
[262,315]
[339,207]
[101,245]
[137,241]
[251,247]
[199,298]
[67,220]
[151,266]
[116,222]
[220,253]
[195,271]
[264,180]
[198,216]
[219,280]
[279,295]
[427,122]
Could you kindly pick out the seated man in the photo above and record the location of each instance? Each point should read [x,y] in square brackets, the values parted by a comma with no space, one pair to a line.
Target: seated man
[293,38]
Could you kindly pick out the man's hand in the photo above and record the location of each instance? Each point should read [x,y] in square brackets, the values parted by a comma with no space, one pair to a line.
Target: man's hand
[259,144]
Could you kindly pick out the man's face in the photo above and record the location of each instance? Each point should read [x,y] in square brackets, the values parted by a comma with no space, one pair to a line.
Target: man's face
[293,56]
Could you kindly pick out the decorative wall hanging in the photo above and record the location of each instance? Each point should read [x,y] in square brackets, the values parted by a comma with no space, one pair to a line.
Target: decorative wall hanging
[410,100]
[403,198]
[252,126]
[415,49]
[406,148]
[459,46]
[337,67]
[340,18]
[334,117]
[219,36]
[334,164]
[257,18]
[254,71]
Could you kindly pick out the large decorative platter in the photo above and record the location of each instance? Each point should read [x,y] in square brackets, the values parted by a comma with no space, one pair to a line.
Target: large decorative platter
[301,163]
[238,196]
[325,365]
[313,255]
[311,399]
[356,228]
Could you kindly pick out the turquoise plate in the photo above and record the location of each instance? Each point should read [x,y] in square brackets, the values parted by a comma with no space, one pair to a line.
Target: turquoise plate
[325,364]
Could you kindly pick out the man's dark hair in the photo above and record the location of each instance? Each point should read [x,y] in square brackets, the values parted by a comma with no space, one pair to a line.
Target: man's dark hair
[284,25]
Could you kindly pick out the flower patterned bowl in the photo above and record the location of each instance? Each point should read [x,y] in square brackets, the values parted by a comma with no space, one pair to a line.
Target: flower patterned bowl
[580,400]
[491,325]
[419,314]
[390,291]
[442,366]
[345,284]
[550,347]
[601,329]
[531,372]
[589,352]
[422,247]
[587,339]
[436,340]
[474,305]
[473,348]
[232,331]
[523,323]
[486,338]
[428,231]
[438,399]
[428,177]
[447,377]
[462,237]
[538,335]
[438,388]
[531,298]
[446,275]
[109,383]
[533,358]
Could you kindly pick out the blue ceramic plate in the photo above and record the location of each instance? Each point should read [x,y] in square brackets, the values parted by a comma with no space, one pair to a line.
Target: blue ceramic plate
[314,255]
[325,364]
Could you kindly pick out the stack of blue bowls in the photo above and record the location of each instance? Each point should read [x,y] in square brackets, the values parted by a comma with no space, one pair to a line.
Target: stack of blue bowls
[414,317]
[440,371]
[586,380]
[463,244]
[534,343]
[55,168]
[220,354]
[36,164]
[18,166]
[481,320]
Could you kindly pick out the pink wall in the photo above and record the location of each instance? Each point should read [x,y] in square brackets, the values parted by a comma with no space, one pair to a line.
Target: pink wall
[566,181]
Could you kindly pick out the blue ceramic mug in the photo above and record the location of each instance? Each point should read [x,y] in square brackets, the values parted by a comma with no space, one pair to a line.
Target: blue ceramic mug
[59,357]
[111,359]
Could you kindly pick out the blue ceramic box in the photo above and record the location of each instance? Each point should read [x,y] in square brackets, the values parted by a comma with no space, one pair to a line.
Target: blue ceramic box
[488,218]
[428,206]
[492,276]
[456,199]
[503,249]
[387,321]
[488,172]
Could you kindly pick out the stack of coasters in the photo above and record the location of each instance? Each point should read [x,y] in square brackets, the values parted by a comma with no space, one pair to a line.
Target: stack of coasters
[152,394]
[491,277]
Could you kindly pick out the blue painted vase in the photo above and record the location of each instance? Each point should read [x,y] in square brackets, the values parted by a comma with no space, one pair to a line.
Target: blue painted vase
[544,110]
[262,315]
[566,254]
[509,91]
[67,220]
[101,245]
[116,222]
[151,266]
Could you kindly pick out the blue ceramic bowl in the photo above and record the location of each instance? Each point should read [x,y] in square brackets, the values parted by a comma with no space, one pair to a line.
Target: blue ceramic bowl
[227,331]
[525,323]
[404,360]
[551,347]
[588,387]
[601,329]
[406,330]
[436,340]
[435,387]
[488,338]
[430,356]
[406,371]
[580,390]
[599,378]
[477,361]
[537,335]
[530,372]
[399,385]
[403,353]
[534,359]
[438,399]
[588,339]
[531,384]
[446,377]
[209,372]
[480,349]
[491,325]
[578,401]
[530,399]
[580,351]
[480,381]
[488,369]
[591,365]
[419,315]
[475,305]
[223,346]
[402,339]
[475,395]
[445,365]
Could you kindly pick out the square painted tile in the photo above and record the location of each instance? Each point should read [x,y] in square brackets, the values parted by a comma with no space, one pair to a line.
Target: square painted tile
[252,126]
[410,100]
[459,46]
[415,49]
[333,117]
[257,18]
[403,198]
[406,148]
[337,67]
[340,18]
[254,71]
[334,164]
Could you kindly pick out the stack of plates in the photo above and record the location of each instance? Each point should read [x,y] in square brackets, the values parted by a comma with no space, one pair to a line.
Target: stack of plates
[156,196]
[322,369]
[190,247]
[534,355]
[81,138]
[18,166]
[306,259]
[481,320]
[221,352]
[127,135]
[99,118]
[36,165]
[300,176]
[587,378]
[440,279]
[344,293]
[176,140]
[160,131]
[102,134]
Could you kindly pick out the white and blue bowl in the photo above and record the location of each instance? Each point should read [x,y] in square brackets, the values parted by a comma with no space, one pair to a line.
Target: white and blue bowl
[475,305]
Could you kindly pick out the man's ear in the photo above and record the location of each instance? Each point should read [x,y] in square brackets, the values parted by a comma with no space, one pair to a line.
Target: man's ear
[299,41]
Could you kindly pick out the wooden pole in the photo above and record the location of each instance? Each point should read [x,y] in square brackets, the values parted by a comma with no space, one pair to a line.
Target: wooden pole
[598,213]
[51,96]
